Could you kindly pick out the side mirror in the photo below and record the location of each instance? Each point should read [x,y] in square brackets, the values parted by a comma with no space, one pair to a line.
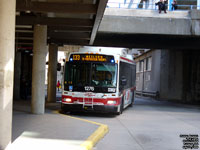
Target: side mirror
[58,66]
[123,81]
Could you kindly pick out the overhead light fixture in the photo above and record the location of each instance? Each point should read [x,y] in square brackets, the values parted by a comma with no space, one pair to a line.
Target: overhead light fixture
[28,11]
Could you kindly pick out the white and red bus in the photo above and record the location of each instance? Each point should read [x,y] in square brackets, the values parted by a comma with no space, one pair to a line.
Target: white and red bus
[98,82]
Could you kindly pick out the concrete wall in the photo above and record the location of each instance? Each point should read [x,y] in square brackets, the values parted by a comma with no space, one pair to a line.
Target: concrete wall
[191,76]
[155,77]
[171,75]
[149,80]
[174,73]
[180,76]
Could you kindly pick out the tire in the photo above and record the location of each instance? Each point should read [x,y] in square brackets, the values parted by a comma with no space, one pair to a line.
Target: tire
[63,109]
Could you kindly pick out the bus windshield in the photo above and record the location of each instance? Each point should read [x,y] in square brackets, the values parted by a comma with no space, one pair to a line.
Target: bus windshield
[90,74]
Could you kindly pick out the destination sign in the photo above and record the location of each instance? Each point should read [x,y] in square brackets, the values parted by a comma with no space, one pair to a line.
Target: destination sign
[91,57]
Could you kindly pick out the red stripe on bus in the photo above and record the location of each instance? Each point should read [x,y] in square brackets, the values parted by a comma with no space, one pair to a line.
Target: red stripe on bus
[127,59]
[89,100]
[133,88]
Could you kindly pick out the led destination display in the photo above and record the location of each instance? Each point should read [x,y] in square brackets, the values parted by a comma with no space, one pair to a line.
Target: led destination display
[91,57]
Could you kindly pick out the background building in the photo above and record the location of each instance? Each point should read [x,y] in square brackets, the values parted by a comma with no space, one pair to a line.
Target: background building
[168,74]
[147,71]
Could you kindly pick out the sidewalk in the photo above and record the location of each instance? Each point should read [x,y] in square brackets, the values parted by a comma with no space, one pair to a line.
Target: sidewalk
[49,131]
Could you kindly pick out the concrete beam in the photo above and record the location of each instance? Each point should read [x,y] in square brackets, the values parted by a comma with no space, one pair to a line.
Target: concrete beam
[70,28]
[49,21]
[134,22]
[7,49]
[149,29]
[69,35]
[150,22]
[69,41]
[154,41]
[100,11]
[38,73]
[45,7]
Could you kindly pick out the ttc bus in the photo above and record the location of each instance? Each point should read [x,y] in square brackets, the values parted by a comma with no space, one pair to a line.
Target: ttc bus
[98,82]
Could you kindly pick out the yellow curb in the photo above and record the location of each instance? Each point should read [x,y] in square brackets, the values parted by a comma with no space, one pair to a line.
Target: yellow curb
[95,136]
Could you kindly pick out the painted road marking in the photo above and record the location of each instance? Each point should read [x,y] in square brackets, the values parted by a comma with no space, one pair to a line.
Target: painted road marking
[96,136]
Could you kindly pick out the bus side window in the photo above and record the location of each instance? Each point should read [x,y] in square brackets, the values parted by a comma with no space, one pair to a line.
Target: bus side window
[125,72]
[123,81]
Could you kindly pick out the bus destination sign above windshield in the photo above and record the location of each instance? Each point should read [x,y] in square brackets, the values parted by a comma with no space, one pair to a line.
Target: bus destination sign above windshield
[91,57]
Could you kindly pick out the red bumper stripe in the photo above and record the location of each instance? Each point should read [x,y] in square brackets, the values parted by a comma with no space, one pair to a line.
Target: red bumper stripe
[89,100]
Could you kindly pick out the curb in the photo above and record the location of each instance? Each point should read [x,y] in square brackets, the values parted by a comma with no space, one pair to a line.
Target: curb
[95,136]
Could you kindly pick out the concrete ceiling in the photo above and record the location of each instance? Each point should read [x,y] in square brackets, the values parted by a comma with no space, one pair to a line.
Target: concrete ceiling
[73,22]
[152,41]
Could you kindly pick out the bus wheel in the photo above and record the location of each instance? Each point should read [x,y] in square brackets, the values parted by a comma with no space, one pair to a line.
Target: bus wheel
[63,110]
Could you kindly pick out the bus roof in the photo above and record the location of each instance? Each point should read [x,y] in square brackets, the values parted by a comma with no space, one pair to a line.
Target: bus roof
[102,50]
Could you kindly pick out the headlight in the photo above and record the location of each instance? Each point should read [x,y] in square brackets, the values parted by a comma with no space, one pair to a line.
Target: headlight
[67,100]
[111,102]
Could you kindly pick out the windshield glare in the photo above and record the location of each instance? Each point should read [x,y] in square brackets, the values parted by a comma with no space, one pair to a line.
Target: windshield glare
[91,74]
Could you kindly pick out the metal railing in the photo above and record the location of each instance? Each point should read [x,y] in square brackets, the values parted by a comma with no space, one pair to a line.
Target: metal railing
[154,94]
[148,6]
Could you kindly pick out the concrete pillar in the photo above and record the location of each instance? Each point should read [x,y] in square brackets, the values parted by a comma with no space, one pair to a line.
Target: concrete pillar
[17,72]
[7,49]
[52,73]
[38,72]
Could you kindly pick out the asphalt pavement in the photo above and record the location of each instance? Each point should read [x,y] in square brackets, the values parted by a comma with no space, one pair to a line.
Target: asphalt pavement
[52,130]
[149,125]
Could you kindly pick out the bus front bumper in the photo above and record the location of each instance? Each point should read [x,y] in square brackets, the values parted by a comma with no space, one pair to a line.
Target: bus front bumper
[94,108]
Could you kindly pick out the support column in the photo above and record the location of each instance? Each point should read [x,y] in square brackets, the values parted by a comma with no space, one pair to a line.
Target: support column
[17,71]
[7,49]
[52,73]
[38,72]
